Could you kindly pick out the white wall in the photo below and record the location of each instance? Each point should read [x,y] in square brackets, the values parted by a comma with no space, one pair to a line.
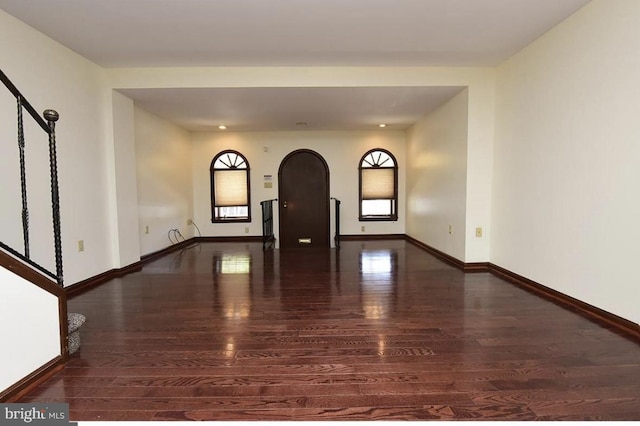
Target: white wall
[164,180]
[341,150]
[480,83]
[126,241]
[437,177]
[52,76]
[32,335]
[566,177]
[480,138]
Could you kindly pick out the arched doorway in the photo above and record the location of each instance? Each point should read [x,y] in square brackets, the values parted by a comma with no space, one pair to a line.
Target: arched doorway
[303,194]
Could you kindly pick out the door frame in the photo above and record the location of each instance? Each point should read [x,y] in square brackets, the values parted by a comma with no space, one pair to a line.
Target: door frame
[327,183]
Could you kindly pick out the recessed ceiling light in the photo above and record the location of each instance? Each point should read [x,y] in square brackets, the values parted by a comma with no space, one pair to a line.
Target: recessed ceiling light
[222,127]
[382,125]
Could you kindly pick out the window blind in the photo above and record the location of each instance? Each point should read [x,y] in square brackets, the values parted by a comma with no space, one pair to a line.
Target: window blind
[230,188]
[378,184]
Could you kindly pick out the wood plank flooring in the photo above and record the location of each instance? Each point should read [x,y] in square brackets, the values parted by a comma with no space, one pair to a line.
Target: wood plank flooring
[376,330]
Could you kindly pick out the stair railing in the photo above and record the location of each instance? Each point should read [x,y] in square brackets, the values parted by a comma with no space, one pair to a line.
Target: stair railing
[48,126]
[268,238]
[336,238]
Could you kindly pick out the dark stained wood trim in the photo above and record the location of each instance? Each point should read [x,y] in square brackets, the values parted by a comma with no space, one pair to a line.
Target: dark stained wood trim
[471,267]
[364,237]
[159,253]
[89,283]
[82,286]
[247,239]
[437,253]
[25,103]
[34,277]
[629,328]
[466,267]
[64,326]
[586,310]
[27,384]
[92,282]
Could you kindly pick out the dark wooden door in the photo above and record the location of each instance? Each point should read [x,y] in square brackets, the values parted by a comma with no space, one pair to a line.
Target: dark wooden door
[303,195]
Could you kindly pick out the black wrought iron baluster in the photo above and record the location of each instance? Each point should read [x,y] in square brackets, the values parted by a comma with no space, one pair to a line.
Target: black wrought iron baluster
[336,238]
[23,181]
[52,116]
[338,202]
[267,223]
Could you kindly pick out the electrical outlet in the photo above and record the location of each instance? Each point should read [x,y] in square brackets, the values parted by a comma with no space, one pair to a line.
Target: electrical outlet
[478,232]
[362,228]
[450,229]
[146,229]
[246,229]
[80,245]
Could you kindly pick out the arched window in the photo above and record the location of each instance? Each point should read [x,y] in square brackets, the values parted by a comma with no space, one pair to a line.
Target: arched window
[230,197]
[378,186]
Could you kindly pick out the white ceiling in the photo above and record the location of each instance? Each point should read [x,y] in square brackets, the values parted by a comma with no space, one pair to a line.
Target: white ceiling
[182,33]
[275,109]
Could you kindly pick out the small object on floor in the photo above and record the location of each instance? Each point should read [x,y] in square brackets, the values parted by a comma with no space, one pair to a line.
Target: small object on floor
[75,321]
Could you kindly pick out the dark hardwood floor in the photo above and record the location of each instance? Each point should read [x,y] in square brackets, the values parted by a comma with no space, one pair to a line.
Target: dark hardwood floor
[376,330]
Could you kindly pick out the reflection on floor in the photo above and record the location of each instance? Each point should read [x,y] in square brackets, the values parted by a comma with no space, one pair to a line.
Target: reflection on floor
[375,330]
